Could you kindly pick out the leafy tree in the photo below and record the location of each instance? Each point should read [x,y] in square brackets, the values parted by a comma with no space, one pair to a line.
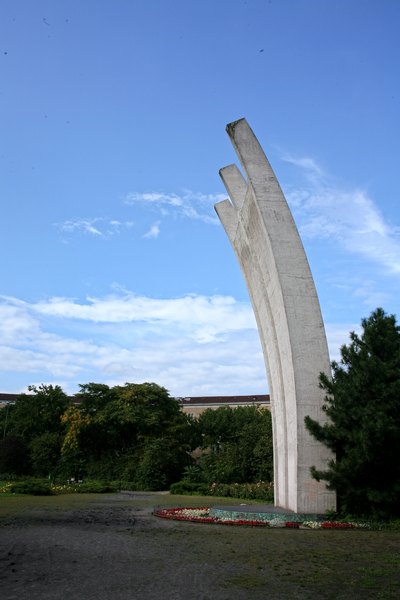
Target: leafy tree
[35,420]
[38,413]
[95,396]
[118,430]
[160,465]
[363,406]
[45,453]
[237,444]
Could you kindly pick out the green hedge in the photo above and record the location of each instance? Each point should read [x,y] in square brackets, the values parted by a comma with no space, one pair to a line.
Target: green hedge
[189,488]
[94,487]
[250,491]
[35,487]
[43,487]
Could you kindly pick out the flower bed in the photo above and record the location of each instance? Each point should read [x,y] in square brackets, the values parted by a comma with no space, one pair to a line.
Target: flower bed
[202,515]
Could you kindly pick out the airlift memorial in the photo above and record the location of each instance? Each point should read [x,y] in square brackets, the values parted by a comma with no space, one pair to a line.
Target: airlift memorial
[261,229]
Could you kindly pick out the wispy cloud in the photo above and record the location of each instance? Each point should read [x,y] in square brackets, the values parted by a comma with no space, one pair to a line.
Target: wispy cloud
[96,226]
[188,204]
[153,232]
[203,318]
[310,165]
[348,216]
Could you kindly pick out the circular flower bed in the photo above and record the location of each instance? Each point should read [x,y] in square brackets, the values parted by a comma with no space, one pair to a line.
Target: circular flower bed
[202,515]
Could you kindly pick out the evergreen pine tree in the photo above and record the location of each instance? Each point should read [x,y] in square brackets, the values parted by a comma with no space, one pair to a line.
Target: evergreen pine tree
[363,405]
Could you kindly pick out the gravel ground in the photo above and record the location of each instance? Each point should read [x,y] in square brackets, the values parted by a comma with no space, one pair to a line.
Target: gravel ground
[113,548]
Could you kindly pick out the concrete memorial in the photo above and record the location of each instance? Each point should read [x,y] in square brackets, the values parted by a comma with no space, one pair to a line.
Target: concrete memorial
[263,234]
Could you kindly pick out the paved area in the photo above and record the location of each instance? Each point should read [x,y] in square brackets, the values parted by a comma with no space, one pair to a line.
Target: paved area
[113,548]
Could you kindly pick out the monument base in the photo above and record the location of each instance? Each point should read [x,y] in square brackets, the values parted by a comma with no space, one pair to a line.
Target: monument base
[261,512]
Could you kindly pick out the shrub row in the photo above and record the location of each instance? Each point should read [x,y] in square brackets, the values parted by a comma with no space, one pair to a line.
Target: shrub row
[42,487]
[35,487]
[188,488]
[250,491]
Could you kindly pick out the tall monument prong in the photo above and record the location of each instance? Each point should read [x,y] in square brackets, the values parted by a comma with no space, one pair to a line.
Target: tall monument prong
[261,229]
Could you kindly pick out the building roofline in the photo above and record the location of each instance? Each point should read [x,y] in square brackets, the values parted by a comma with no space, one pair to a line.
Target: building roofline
[184,401]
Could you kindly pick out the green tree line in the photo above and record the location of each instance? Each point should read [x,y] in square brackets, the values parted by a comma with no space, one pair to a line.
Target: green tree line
[134,433]
[138,433]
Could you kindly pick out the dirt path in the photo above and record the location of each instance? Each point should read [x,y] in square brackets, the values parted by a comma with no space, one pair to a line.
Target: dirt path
[114,549]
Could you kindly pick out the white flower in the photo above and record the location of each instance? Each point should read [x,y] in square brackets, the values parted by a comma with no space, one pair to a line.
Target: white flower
[277,522]
[311,524]
[194,512]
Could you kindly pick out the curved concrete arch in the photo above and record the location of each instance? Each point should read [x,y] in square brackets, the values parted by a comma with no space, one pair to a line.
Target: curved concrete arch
[263,234]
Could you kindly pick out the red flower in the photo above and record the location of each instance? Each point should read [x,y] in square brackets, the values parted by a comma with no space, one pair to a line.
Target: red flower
[335,525]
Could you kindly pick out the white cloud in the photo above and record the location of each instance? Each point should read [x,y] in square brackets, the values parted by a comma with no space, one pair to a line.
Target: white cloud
[305,162]
[96,226]
[153,232]
[193,345]
[15,321]
[80,225]
[155,198]
[188,204]
[349,217]
[202,317]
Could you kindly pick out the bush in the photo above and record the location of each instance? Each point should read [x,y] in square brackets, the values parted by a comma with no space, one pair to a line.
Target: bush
[35,487]
[250,491]
[95,487]
[236,444]
[14,456]
[42,487]
[159,465]
[88,487]
[188,488]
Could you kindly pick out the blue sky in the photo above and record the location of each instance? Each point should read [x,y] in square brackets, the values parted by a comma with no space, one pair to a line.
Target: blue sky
[114,266]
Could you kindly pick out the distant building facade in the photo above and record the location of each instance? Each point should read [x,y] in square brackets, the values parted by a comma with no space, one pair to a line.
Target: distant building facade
[6,399]
[195,405]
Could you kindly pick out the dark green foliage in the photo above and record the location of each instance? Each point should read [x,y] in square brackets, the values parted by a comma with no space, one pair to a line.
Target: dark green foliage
[188,488]
[249,491]
[34,487]
[95,487]
[43,487]
[237,444]
[160,465]
[38,413]
[193,474]
[363,405]
[14,455]
[45,453]
[35,420]
[134,432]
